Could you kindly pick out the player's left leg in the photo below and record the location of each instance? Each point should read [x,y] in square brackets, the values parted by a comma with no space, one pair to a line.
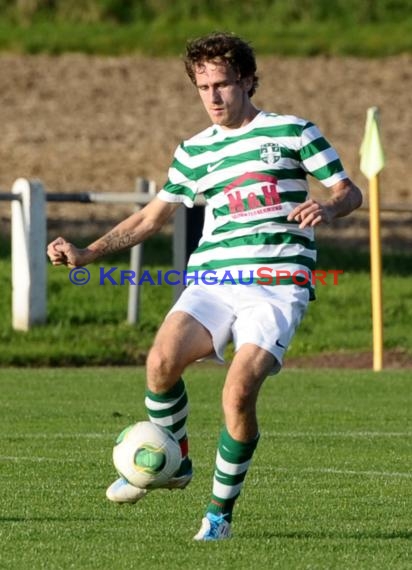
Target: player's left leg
[180,340]
[238,439]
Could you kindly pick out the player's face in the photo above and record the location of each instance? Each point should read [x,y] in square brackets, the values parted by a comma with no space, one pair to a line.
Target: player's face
[223,94]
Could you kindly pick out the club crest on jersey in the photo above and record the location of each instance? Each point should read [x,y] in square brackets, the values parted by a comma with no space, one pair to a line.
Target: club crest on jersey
[270,153]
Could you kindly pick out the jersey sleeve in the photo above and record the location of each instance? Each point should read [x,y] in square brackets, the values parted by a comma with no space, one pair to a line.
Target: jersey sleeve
[180,187]
[319,158]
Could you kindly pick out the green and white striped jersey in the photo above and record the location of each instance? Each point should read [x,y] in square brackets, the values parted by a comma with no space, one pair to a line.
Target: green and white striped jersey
[251,178]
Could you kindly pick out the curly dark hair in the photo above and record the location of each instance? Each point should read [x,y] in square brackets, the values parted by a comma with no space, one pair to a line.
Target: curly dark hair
[222,47]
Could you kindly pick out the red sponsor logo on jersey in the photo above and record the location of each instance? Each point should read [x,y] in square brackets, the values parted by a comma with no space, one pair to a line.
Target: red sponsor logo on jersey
[242,202]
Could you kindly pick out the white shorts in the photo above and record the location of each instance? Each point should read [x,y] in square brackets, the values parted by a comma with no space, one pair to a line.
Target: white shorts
[264,315]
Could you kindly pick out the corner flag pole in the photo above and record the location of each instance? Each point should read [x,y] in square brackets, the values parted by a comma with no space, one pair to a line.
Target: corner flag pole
[372,162]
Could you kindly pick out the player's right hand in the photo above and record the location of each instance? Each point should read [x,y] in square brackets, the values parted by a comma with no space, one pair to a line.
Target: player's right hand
[62,252]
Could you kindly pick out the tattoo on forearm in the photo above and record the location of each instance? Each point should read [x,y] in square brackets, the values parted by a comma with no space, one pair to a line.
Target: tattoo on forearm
[348,199]
[115,241]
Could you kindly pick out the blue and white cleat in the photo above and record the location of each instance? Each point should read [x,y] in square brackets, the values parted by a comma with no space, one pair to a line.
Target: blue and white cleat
[214,527]
[121,491]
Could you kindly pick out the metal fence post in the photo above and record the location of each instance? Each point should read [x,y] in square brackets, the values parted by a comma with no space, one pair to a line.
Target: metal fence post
[188,225]
[179,248]
[28,255]
[143,186]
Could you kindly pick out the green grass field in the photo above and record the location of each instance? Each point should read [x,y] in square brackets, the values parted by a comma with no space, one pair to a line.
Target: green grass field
[329,488]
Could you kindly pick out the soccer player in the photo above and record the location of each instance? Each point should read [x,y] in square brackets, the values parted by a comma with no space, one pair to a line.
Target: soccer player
[251,166]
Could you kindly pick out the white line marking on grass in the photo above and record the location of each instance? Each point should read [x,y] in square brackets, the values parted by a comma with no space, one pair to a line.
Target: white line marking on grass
[353,434]
[285,434]
[35,459]
[333,471]
[323,470]
[57,435]
[360,473]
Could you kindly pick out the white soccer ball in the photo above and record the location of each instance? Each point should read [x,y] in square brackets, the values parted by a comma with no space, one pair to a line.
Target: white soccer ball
[146,455]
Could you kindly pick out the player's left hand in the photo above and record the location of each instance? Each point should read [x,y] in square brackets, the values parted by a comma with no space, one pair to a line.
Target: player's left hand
[310,214]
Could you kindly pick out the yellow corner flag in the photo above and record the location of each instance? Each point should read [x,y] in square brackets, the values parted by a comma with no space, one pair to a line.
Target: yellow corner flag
[372,162]
[371,151]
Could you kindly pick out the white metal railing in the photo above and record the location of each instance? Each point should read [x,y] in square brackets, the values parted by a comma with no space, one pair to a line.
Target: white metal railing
[29,262]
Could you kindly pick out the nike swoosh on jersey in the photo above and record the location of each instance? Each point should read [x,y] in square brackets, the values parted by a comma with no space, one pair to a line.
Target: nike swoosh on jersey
[212,167]
[279,344]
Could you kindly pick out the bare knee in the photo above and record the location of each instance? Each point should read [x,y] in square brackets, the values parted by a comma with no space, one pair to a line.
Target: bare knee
[163,371]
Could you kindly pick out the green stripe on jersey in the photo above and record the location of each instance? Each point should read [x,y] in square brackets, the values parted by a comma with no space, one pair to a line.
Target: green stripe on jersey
[328,170]
[230,262]
[183,169]
[279,174]
[313,148]
[259,239]
[233,226]
[271,131]
[179,190]
[251,177]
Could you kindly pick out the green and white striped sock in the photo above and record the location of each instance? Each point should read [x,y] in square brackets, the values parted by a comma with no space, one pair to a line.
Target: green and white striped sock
[232,462]
[170,410]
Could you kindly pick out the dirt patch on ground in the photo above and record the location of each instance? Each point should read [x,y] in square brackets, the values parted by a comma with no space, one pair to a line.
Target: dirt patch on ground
[393,359]
[80,122]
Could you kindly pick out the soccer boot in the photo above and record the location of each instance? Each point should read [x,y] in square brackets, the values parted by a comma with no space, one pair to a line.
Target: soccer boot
[121,491]
[214,527]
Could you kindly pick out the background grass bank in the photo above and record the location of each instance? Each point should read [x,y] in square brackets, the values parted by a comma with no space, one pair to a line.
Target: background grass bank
[160,27]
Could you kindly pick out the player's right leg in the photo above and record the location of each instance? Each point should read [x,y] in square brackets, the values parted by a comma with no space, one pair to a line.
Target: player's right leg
[180,341]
